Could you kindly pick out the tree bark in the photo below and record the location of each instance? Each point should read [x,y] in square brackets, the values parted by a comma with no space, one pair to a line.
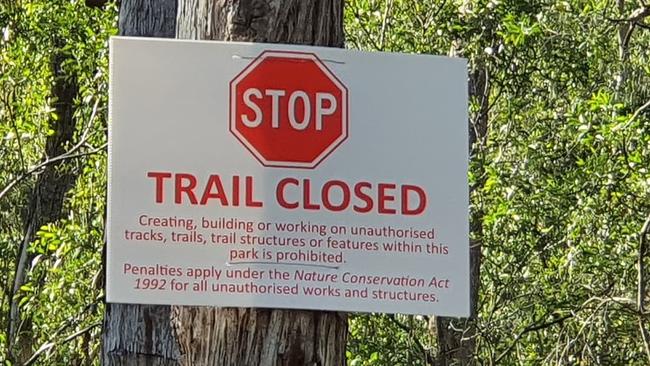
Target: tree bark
[137,335]
[148,18]
[141,334]
[318,23]
[265,337]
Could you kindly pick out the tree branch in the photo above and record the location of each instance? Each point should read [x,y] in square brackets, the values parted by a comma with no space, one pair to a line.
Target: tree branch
[66,156]
[70,322]
[12,119]
[70,154]
[643,242]
[641,287]
[637,15]
[528,329]
[365,30]
[645,338]
[634,116]
[416,341]
[49,345]
[384,24]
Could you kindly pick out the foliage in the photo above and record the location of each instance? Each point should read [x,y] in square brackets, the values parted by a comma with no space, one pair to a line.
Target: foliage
[45,44]
[560,181]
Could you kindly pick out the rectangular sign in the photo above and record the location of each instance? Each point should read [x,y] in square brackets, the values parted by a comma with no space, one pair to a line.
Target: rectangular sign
[281,176]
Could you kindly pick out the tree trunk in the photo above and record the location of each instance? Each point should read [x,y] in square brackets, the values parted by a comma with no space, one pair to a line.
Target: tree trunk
[264,337]
[137,335]
[269,337]
[455,337]
[141,334]
[316,22]
[148,18]
[46,202]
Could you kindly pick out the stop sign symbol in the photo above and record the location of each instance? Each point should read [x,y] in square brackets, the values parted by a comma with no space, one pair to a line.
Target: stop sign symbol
[288,109]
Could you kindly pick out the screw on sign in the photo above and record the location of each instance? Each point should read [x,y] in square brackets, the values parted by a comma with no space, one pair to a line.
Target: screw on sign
[288,109]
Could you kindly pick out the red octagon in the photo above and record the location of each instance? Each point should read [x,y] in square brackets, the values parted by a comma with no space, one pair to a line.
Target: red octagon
[288,109]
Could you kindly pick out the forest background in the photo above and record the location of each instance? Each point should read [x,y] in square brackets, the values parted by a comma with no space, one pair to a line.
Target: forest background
[559,175]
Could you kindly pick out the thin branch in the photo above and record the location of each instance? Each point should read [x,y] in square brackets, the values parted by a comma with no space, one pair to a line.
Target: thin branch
[384,24]
[636,16]
[645,338]
[18,137]
[643,244]
[70,154]
[49,345]
[634,116]
[643,241]
[638,111]
[70,322]
[365,30]
[416,341]
[625,43]
[42,165]
[442,5]
[528,329]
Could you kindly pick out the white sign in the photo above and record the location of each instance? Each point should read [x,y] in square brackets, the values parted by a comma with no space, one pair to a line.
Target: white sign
[280,176]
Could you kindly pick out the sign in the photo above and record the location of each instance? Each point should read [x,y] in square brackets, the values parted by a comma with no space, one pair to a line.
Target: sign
[282,176]
[298,90]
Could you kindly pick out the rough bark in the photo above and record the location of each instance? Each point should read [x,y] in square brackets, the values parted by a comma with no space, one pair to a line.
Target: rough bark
[148,18]
[46,201]
[138,335]
[265,337]
[318,22]
[141,334]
